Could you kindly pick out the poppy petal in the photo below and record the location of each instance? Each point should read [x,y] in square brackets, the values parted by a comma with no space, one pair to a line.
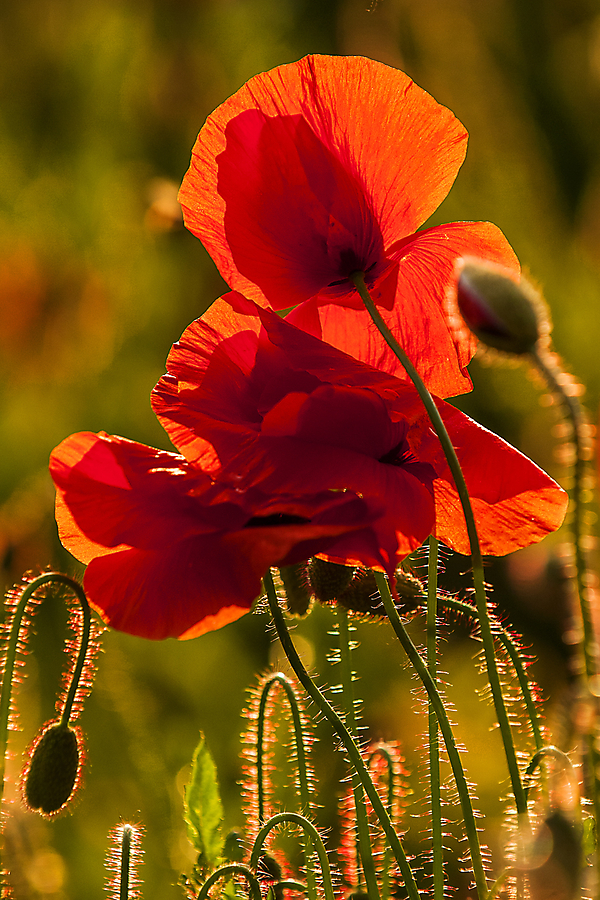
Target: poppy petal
[309,126]
[514,502]
[419,318]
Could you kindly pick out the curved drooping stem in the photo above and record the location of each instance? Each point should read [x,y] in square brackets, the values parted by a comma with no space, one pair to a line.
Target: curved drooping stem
[14,641]
[476,557]
[280,680]
[228,871]
[311,833]
[344,735]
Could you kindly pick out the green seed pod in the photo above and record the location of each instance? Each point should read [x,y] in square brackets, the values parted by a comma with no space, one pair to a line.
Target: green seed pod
[328,579]
[298,594]
[503,313]
[51,776]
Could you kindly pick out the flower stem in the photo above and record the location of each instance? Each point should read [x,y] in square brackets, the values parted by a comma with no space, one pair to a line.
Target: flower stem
[311,833]
[476,558]
[434,747]
[344,735]
[229,870]
[445,727]
[278,678]
[12,648]
[362,823]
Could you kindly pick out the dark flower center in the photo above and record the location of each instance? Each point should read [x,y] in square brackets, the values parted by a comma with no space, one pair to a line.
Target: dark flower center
[400,455]
[275,519]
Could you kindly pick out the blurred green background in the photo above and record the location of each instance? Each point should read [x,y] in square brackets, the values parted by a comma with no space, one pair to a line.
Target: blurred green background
[100,104]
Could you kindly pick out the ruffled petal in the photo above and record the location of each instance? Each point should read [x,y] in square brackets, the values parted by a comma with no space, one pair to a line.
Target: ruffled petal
[309,127]
[514,502]
[114,493]
[420,317]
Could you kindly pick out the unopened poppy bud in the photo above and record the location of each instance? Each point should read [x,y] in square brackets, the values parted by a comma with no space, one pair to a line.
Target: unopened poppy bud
[297,588]
[362,595]
[557,859]
[51,776]
[328,579]
[233,848]
[269,869]
[502,313]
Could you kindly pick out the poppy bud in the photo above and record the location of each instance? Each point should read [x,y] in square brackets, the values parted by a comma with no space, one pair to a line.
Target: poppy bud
[269,869]
[51,775]
[297,589]
[233,848]
[559,844]
[362,595]
[328,579]
[501,312]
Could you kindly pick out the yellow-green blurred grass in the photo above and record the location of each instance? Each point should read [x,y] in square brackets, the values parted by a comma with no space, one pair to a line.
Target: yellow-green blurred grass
[99,106]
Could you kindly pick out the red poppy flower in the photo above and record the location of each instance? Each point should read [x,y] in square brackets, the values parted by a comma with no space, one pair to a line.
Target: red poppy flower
[170,552]
[318,169]
[287,412]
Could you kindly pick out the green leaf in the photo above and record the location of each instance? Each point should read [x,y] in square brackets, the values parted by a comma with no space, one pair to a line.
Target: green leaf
[203,810]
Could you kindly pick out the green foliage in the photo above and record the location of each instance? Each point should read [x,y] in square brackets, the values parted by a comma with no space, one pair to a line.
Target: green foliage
[203,809]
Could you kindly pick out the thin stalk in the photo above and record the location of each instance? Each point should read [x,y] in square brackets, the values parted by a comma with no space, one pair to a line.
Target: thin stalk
[512,650]
[387,860]
[11,655]
[125,862]
[343,734]
[476,558]
[287,818]
[229,870]
[278,678]
[589,646]
[362,822]
[434,746]
[446,729]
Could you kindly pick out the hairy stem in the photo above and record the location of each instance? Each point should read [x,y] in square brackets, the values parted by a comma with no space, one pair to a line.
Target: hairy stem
[344,735]
[446,729]
[476,558]
[434,747]
[278,678]
[362,822]
[291,818]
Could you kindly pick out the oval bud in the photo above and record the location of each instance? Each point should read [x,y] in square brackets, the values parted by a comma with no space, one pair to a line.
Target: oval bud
[297,589]
[51,776]
[501,312]
[328,579]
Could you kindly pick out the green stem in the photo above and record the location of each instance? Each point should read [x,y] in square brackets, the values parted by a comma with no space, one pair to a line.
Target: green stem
[575,413]
[476,558]
[11,655]
[446,729]
[287,818]
[125,862]
[229,870]
[386,863]
[504,638]
[278,678]
[434,747]
[362,822]
[344,735]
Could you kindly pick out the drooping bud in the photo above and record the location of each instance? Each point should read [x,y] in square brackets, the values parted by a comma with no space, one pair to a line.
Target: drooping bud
[502,312]
[51,776]
[328,579]
[297,588]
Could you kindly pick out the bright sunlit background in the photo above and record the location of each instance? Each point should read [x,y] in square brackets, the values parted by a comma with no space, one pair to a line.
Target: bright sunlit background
[99,107]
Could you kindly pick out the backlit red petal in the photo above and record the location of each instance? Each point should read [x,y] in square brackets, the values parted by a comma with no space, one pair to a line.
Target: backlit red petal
[325,113]
[514,502]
